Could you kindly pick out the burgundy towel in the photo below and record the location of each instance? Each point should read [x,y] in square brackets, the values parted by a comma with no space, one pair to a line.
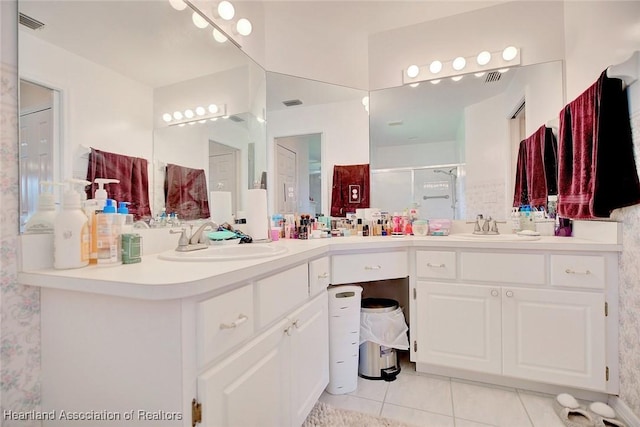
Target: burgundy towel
[596,164]
[350,189]
[540,165]
[133,175]
[185,192]
[520,196]
[551,161]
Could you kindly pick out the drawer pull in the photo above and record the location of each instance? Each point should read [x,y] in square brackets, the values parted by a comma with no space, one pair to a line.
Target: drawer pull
[570,271]
[241,319]
[372,267]
[436,265]
[323,276]
[509,293]
[494,293]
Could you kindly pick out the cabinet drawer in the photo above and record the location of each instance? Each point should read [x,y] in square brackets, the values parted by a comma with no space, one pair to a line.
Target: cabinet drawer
[578,271]
[503,267]
[353,268]
[436,264]
[319,275]
[223,322]
[280,293]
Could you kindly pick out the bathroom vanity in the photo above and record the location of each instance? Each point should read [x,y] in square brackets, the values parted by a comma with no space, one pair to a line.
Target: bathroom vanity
[245,342]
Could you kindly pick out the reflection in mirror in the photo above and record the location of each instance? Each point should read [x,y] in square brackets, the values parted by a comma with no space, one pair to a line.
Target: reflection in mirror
[312,126]
[117,78]
[470,129]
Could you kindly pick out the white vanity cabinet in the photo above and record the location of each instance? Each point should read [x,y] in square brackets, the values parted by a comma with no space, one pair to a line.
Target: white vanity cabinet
[534,316]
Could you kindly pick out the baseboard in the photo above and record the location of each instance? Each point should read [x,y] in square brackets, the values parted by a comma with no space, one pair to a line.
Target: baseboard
[623,411]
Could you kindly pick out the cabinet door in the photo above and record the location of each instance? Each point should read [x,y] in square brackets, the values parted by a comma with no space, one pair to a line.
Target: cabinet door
[553,336]
[459,326]
[309,356]
[251,387]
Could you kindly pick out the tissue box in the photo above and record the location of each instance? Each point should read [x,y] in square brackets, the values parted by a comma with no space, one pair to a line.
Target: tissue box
[439,227]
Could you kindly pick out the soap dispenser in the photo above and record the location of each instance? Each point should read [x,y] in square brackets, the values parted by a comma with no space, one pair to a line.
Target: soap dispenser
[71,230]
[91,208]
[43,218]
[108,234]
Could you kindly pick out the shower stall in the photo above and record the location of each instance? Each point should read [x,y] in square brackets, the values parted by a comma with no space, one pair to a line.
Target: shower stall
[437,191]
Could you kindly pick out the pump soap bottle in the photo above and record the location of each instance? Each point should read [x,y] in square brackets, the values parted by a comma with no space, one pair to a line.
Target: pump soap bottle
[108,235]
[44,217]
[91,208]
[71,231]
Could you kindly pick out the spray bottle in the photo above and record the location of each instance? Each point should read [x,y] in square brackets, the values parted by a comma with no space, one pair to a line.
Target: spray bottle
[44,217]
[71,230]
[91,208]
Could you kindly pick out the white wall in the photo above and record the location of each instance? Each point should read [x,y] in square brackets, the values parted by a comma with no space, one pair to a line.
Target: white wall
[345,137]
[416,155]
[100,108]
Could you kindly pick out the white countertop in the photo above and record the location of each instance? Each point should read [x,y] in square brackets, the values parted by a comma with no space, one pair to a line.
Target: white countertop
[157,279]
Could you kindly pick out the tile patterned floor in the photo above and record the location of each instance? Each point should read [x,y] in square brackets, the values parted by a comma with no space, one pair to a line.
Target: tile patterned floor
[432,401]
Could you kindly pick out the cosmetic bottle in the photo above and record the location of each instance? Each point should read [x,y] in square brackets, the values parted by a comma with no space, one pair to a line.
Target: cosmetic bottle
[91,208]
[108,235]
[71,231]
[42,220]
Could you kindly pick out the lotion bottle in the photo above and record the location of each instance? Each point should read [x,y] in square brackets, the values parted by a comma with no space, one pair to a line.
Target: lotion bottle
[93,207]
[71,231]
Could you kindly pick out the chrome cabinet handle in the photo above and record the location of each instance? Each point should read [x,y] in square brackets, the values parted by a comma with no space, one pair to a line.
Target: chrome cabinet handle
[295,323]
[494,293]
[323,276]
[570,271]
[374,267]
[509,294]
[436,265]
[241,319]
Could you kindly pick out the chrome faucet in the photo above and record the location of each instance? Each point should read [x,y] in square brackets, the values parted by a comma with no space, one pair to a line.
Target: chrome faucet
[196,241]
[489,226]
[198,235]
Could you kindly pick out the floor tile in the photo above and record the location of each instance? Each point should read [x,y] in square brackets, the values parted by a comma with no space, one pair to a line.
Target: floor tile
[494,406]
[371,389]
[352,403]
[421,392]
[540,409]
[415,416]
[466,423]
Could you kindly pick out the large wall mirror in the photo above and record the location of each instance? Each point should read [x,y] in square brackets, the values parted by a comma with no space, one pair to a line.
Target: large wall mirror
[450,147]
[109,82]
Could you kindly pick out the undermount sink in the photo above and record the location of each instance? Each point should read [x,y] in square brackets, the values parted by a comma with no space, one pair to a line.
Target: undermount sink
[493,237]
[225,253]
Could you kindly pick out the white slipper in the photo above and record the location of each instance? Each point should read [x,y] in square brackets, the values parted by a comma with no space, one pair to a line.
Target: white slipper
[576,418]
[609,422]
[602,409]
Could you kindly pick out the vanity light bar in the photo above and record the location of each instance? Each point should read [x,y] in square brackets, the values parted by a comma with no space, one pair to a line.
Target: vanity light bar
[197,115]
[484,61]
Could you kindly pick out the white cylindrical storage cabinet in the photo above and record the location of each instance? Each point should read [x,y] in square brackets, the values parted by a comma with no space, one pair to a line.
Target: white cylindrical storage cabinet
[344,338]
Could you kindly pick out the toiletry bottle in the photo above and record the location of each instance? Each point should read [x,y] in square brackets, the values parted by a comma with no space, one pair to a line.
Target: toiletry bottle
[91,208]
[71,231]
[108,235]
[43,218]
[127,223]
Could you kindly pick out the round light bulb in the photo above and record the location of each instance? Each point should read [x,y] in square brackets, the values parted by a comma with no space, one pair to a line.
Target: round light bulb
[434,82]
[459,63]
[218,36]
[413,71]
[244,27]
[198,20]
[509,53]
[213,108]
[167,117]
[178,4]
[457,78]
[226,10]
[483,58]
[188,114]
[177,115]
[200,111]
[435,67]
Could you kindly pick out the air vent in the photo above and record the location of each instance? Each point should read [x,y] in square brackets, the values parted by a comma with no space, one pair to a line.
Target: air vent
[292,102]
[493,76]
[236,119]
[30,22]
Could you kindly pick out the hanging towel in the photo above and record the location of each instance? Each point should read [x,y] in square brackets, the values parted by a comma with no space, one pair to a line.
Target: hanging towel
[350,189]
[596,164]
[133,175]
[541,148]
[185,192]
[520,196]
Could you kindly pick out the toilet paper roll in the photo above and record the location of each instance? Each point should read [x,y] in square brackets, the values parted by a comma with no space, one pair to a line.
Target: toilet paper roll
[257,214]
[220,207]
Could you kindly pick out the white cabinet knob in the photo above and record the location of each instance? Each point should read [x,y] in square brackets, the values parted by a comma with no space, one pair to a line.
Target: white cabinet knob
[509,294]
[494,293]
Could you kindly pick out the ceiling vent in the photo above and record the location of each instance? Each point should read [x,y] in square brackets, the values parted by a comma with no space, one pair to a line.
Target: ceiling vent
[236,119]
[292,102]
[493,76]
[30,22]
